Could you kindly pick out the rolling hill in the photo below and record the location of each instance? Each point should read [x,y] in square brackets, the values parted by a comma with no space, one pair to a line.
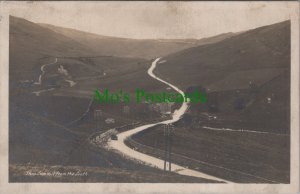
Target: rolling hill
[246,76]
[266,47]
[33,44]
[29,43]
[135,48]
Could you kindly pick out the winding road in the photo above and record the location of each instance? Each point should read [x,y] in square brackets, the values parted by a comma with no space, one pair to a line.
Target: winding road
[152,161]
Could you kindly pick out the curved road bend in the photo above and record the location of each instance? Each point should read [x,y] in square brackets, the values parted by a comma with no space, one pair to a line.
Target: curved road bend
[121,146]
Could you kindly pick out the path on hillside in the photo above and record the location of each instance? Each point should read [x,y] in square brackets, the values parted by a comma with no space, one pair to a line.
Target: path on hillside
[43,71]
[127,151]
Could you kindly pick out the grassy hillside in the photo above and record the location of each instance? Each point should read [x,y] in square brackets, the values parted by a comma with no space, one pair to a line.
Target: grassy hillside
[96,174]
[123,47]
[247,76]
[261,48]
[30,43]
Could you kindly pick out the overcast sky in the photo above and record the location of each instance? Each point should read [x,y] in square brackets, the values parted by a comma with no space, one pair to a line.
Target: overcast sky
[152,20]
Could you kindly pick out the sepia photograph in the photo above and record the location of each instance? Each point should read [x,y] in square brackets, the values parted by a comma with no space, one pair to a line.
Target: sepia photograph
[160,94]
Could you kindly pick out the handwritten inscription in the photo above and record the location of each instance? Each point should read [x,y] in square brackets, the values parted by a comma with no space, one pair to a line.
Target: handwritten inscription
[55,173]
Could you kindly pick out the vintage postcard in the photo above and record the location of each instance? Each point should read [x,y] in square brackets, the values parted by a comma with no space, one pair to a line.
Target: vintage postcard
[149,97]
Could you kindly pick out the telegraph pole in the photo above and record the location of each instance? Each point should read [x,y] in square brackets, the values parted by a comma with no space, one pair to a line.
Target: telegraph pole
[168,129]
[166,145]
[97,117]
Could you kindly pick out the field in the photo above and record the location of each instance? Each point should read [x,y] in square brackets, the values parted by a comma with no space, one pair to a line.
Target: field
[241,157]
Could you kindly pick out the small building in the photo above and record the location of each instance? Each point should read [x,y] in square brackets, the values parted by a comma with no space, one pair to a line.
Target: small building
[109,121]
[165,108]
[97,114]
[154,107]
[126,109]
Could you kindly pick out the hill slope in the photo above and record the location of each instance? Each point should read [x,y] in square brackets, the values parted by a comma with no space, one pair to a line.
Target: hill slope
[264,47]
[28,43]
[247,76]
[124,47]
